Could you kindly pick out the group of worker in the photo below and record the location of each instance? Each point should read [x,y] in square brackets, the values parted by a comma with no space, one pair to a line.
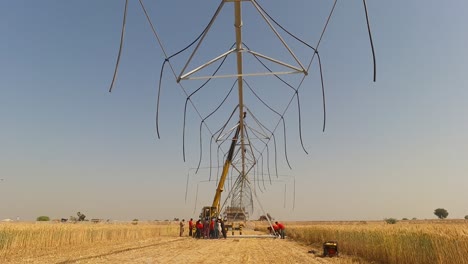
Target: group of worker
[278,229]
[215,229]
[205,228]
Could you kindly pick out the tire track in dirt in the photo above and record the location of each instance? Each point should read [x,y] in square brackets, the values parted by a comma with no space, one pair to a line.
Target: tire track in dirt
[116,252]
[198,251]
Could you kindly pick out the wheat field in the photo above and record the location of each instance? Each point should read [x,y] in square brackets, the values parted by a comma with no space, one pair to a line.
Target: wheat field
[30,239]
[371,242]
[411,242]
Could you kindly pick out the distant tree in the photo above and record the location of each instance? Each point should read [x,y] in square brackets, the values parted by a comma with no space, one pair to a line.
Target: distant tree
[266,217]
[404,219]
[43,218]
[441,213]
[391,221]
[135,221]
[270,217]
[81,217]
[466,217]
[414,218]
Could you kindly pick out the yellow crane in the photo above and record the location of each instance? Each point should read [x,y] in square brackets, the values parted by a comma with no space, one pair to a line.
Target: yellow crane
[215,208]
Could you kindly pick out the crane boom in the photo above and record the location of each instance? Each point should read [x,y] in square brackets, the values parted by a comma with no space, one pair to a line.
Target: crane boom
[214,210]
[227,164]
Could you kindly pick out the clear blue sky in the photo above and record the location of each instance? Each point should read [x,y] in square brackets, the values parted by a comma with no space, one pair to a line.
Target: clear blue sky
[394,148]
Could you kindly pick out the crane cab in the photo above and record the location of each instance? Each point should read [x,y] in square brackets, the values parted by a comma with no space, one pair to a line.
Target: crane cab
[209,212]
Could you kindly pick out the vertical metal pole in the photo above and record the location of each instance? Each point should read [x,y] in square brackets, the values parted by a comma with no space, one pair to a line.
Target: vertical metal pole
[240,82]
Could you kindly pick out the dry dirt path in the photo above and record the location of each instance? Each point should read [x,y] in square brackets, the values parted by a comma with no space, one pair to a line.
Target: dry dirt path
[232,250]
[189,250]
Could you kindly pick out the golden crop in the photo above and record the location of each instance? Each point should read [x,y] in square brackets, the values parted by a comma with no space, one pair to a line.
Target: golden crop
[33,238]
[411,242]
[375,242]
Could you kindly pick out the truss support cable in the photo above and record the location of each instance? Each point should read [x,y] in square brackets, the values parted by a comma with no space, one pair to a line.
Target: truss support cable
[122,36]
[370,39]
[156,35]
[263,210]
[310,63]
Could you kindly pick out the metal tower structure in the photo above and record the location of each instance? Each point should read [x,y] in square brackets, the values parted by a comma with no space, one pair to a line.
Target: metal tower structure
[241,193]
[244,160]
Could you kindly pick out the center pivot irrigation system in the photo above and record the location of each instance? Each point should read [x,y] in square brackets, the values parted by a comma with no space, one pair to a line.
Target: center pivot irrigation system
[243,141]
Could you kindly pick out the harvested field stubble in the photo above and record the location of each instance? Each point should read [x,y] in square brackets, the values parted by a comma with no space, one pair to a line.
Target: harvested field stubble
[424,242]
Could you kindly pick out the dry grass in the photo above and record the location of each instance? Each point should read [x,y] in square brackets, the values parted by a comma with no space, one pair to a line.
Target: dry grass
[405,242]
[30,239]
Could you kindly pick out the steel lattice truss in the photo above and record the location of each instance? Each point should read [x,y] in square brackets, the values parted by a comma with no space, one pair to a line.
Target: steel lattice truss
[256,150]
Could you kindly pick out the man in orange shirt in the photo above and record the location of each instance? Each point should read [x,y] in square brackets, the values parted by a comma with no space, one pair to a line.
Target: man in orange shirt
[281,229]
[275,230]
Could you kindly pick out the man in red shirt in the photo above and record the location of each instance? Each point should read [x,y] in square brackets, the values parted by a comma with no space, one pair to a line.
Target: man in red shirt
[281,229]
[199,226]
[212,228]
[190,226]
